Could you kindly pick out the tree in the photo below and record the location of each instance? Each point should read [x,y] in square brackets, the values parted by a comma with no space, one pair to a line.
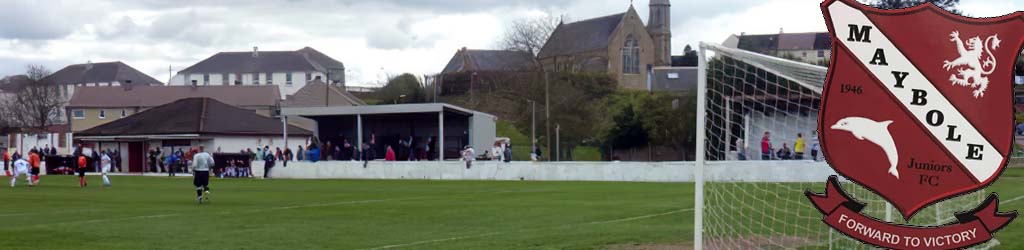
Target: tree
[404,88]
[39,103]
[949,5]
[625,128]
[670,119]
[577,100]
[528,34]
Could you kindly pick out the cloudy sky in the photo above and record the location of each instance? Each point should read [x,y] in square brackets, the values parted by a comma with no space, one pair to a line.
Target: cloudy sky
[373,38]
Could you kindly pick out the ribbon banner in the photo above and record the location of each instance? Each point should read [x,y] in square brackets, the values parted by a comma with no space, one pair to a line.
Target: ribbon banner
[842,213]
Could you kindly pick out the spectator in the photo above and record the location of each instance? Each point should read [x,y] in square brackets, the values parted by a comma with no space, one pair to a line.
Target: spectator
[170,162]
[328,152]
[536,153]
[468,155]
[299,154]
[508,152]
[766,146]
[259,154]
[278,155]
[496,152]
[268,164]
[53,150]
[784,153]
[346,150]
[390,154]
[430,148]
[798,147]
[815,147]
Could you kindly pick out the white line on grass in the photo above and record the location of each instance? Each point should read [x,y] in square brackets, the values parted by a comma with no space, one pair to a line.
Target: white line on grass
[1012,200]
[416,243]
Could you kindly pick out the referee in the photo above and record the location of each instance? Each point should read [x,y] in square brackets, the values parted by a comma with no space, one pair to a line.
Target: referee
[201,164]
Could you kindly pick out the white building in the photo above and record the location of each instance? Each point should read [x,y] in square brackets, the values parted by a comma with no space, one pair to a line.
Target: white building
[290,70]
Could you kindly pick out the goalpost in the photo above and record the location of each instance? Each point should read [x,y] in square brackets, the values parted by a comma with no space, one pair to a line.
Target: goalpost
[758,203]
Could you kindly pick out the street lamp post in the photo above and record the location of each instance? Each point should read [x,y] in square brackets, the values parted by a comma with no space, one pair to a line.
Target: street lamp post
[558,141]
[533,124]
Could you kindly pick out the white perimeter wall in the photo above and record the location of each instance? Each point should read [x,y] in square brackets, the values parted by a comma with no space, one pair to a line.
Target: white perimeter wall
[746,171]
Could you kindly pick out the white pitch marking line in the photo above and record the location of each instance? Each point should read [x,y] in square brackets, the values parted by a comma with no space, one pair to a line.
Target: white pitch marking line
[525,230]
[1012,200]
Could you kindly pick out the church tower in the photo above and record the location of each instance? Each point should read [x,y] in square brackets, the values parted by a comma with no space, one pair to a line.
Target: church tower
[658,25]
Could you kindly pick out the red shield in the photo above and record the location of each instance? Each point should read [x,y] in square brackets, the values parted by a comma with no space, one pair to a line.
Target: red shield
[918,102]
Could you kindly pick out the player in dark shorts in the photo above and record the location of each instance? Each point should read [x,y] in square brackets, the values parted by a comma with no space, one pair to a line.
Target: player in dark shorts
[82,162]
[201,164]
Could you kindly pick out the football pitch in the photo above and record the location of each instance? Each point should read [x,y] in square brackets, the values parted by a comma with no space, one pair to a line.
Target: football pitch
[161,213]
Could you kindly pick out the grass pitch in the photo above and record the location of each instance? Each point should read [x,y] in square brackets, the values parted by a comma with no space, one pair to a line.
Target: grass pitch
[161,213]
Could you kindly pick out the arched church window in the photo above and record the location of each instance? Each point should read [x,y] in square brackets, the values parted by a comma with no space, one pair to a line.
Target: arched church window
[631,56]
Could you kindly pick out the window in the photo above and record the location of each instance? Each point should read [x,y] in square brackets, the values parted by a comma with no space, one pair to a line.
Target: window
[270,78]
[821,54]
[124,113]
[631,56]
[78,114]
[103,114]
[206,79]
[224,79]
[288,78]
[309,76]
[255,78]
[238,79]
[673,75]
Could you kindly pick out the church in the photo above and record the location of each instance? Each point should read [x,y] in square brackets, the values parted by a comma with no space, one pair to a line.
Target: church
[618,44]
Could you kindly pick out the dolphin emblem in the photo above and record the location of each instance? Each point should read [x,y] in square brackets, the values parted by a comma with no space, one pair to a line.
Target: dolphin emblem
[874,132]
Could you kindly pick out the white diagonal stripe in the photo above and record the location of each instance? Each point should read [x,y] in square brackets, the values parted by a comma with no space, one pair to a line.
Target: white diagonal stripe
[844,15]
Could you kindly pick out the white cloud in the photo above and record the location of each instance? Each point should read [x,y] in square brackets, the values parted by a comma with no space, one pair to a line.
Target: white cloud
[373,38]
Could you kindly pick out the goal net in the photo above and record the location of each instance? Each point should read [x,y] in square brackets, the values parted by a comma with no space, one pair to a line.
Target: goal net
[749,200]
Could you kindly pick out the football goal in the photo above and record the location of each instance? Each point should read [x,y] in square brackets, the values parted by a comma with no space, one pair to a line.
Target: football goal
[746,199]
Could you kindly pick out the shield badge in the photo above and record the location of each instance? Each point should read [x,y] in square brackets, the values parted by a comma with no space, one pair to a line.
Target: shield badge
[918,104]
[917,107]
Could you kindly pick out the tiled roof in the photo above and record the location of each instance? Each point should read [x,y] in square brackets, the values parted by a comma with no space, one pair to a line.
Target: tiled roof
[151,96]
[202,116]
[466,60]
[104,72]
[305,59]
[582,36]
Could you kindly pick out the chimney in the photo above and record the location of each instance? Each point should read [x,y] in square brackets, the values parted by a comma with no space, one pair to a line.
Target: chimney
[88,65]
[195,83]
[127,85]
[255,52]
[780,31]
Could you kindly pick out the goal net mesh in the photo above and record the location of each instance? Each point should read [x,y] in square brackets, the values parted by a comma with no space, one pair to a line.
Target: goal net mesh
[756,201]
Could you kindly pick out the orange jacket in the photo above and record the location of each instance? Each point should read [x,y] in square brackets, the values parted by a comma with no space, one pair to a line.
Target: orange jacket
[33,159]
[81,161]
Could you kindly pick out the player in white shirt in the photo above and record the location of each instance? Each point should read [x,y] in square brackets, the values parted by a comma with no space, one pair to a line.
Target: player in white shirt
[201,164]
[21,168]
[105,162]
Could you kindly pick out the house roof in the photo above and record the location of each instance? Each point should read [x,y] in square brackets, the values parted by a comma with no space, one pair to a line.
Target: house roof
[317,94]
[199,116]
[14,83]
[103,72]
[305,59]
[151,96]
[489,60]
[679,79]
[582,36]
[785,41]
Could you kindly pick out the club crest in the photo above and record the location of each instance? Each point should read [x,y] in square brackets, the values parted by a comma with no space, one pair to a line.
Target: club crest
[934,119]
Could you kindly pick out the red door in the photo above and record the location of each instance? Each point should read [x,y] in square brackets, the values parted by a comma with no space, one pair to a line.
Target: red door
[135,157]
